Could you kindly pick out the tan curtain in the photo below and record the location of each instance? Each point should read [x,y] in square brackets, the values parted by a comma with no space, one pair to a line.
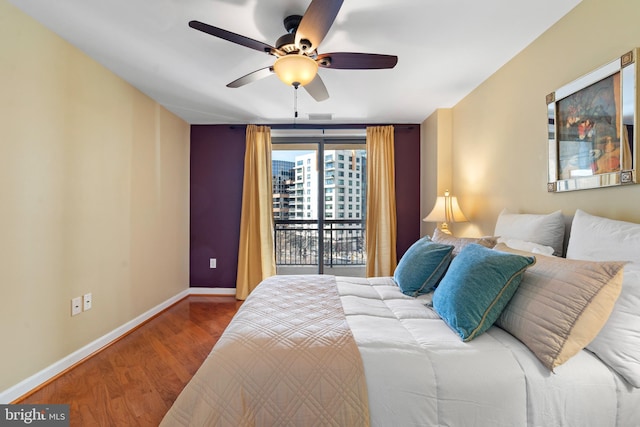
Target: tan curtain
[256,258]
[381,202]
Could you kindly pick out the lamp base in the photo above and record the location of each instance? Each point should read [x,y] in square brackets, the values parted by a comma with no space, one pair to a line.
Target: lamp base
[445,228]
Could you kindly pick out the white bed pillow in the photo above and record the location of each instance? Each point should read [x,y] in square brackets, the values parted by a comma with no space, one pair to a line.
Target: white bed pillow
[523,245]
[543,229]
[594,237]
[603,239]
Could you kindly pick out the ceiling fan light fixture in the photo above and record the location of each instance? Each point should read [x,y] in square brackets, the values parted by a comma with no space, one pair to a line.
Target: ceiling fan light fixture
[295,69]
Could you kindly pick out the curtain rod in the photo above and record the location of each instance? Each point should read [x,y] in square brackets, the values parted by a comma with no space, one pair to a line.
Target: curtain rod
[311,126]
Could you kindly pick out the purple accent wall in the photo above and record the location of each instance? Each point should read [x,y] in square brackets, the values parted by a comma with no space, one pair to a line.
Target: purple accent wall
[407,162]
[217,160]
[217,164]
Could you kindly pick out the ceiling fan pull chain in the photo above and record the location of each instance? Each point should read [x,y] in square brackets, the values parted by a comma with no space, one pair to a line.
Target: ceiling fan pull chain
[295,103]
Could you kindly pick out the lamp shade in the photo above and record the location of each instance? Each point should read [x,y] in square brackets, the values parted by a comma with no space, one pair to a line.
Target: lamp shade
[456,212]
[446,209]
[295,69]
[438,213]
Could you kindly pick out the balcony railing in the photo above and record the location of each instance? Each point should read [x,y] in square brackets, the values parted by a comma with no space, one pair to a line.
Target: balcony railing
[296,243]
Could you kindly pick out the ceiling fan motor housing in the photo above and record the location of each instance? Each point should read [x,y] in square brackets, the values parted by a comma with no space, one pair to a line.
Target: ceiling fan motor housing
[287,43]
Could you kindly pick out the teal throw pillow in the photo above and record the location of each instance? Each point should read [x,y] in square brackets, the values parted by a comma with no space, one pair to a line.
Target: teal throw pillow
[477,287]
[422,266]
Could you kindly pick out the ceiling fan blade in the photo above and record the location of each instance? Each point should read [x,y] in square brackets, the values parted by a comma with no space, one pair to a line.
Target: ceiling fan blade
[252,77]
[316,22]
[317,89]
[356,61]
[232,37]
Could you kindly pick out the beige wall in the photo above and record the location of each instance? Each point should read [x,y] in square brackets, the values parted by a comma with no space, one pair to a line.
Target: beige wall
[94,180]
[500,147]
[435,167]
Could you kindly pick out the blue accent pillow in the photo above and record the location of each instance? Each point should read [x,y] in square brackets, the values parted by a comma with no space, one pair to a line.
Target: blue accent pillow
[477,287]
[422,266]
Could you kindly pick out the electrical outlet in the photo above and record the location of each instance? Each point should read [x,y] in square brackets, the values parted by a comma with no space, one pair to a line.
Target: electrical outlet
[86,302]
[76,306]
[212,263]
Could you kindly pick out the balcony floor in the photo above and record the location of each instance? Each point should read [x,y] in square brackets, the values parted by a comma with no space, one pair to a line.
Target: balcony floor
[342,270]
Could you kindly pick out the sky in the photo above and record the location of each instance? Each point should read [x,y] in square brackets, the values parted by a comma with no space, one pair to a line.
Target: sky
[288,155]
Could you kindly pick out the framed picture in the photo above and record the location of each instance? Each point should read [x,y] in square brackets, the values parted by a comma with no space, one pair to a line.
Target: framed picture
[591,121]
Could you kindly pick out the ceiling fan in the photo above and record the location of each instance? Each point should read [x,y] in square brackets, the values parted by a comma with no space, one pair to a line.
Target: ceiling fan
[296,52]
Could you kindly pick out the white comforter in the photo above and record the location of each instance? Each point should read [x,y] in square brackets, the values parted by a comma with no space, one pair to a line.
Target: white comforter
[419,372]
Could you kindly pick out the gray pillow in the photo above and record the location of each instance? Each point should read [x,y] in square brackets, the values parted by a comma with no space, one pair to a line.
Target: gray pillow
[460,242]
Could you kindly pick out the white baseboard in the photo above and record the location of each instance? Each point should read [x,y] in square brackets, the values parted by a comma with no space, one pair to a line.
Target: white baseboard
[212,291]
[25,386]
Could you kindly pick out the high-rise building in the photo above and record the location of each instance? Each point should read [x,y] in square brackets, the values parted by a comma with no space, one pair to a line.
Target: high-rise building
[344,185]
[282,178]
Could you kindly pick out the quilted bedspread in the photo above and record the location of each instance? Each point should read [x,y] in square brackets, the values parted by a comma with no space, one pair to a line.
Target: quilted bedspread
[288,358]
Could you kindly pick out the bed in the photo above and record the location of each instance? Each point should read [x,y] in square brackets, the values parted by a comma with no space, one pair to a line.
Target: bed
[325,350]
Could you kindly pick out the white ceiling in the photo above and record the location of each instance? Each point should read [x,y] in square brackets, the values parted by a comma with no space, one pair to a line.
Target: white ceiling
[445,49]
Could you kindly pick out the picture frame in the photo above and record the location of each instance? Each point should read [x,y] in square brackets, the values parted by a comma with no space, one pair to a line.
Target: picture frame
[591,127]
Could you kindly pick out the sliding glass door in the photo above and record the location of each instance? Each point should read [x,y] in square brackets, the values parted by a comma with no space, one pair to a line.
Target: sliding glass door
[319,205]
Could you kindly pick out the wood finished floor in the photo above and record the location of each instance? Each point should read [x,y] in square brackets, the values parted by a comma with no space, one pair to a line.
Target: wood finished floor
[134,381]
